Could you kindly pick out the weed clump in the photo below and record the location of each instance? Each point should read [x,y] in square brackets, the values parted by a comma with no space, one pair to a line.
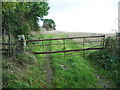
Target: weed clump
[26,58]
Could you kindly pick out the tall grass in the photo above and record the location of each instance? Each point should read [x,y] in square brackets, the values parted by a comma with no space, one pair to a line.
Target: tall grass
[109,59]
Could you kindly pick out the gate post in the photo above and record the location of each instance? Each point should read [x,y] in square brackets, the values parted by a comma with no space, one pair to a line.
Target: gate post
[64,46]
[83,48]
[21,43]
[103,44]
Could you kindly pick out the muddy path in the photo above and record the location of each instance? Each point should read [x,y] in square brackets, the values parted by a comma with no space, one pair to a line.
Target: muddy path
[48,67]
[49,70]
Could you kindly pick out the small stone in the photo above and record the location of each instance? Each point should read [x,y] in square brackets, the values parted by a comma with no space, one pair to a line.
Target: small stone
[98,77]
[44,71]
[62,65]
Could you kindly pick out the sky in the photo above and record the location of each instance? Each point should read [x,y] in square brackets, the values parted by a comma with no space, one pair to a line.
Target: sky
[98,16]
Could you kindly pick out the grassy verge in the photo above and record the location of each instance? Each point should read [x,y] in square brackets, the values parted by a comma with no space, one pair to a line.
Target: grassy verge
[23,72]
[106,66]
[26,70]
[108,60]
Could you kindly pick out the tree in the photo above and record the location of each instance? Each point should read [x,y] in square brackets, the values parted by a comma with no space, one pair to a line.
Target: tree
[49,23]
[21,17]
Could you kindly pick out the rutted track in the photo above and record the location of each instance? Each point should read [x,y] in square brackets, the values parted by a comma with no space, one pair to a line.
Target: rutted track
[49,70]
[48,65]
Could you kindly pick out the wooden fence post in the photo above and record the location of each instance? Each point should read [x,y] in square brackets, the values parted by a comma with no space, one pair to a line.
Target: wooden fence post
[103,42]
[101,39]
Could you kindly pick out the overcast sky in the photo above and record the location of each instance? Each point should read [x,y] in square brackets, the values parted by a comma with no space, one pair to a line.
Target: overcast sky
[84,15]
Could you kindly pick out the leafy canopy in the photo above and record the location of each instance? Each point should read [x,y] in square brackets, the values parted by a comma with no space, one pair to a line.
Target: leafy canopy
[50,23]
[21,17]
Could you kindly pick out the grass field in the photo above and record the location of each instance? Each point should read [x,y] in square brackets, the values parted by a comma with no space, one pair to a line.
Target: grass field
[59,70]
[75,34]
[69,70]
